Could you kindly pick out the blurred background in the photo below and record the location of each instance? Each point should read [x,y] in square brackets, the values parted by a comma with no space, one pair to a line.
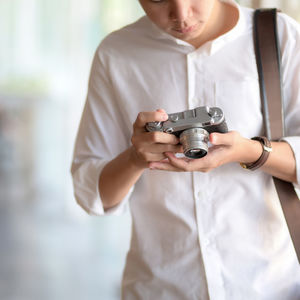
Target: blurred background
[49,248]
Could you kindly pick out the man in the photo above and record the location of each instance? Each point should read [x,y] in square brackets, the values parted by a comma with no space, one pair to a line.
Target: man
[196,234]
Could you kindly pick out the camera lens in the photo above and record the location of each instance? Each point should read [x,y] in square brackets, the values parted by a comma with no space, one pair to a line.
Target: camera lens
[194,142]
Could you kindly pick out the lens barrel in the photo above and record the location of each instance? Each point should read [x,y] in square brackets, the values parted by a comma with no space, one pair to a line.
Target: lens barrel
[194,142]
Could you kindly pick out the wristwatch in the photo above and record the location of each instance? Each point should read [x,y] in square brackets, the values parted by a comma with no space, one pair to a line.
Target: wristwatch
[267,148]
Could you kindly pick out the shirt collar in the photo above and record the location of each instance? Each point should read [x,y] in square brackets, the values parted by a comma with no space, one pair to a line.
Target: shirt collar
[212,46]
[231,35]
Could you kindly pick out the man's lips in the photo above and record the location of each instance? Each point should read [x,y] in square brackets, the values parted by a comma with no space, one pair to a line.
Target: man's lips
[187,29]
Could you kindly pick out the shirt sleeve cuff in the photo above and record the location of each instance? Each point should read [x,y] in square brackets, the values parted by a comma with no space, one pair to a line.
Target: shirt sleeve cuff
[294,142]
[86,189]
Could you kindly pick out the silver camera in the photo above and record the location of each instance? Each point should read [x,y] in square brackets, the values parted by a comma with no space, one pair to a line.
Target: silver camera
[193,128]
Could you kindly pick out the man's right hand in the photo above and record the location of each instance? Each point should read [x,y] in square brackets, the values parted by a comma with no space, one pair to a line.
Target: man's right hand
[151,146]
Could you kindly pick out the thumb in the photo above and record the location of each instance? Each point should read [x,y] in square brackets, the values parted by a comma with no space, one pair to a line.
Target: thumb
[161,110]
[217,138]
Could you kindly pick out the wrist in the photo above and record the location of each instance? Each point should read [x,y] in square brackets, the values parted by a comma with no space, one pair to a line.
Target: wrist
[266,148]
[134,160]
[252,151]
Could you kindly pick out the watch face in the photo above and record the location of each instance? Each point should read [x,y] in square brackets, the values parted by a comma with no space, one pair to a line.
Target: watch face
[268,149]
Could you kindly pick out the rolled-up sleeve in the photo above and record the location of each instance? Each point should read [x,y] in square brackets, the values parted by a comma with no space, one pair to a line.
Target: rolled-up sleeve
[294,142]
[101,137]
[290,40]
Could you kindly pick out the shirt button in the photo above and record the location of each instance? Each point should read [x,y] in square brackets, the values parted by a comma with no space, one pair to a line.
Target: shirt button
[201,195]
[206,242]
[195,101]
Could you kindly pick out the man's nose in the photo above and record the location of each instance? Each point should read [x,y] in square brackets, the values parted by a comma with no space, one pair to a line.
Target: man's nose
[180,10]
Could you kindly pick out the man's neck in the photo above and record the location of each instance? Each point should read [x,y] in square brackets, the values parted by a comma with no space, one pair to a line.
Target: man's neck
[223,19]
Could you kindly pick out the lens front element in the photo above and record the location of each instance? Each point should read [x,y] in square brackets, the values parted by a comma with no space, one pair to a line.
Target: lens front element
[194,142]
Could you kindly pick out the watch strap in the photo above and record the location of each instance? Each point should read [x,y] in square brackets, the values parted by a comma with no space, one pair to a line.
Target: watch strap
[266,147]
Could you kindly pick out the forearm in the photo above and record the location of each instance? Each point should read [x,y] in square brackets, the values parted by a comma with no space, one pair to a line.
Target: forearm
[280,163]
[117,177]
[120,174]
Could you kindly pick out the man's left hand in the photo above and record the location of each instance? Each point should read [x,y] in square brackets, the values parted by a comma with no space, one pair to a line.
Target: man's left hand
[226,147]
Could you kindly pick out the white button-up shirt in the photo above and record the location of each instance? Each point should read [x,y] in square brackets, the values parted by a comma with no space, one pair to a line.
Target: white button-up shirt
[217,235]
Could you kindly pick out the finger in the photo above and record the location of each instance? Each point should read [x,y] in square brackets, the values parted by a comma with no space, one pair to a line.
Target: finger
[163,166]
[145,117]
[162,148]
[151,157]
[190,165]
[225,139]
[161,110]
[154,157]
[157,137]
[180,163]
[146,140]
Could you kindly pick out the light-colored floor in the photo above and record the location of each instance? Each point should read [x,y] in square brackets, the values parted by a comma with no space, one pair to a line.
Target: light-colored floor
[46,255]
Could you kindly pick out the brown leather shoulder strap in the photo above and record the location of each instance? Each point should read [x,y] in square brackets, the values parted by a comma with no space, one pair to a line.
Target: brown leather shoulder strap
[268,60]
[269,68]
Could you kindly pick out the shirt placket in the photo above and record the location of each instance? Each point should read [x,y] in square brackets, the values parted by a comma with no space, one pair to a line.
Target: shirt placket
[204,204]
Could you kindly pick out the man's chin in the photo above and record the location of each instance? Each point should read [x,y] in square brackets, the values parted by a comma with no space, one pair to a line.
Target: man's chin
[183,36]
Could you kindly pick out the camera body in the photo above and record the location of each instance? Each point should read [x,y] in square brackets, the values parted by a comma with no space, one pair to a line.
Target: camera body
[193,128]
